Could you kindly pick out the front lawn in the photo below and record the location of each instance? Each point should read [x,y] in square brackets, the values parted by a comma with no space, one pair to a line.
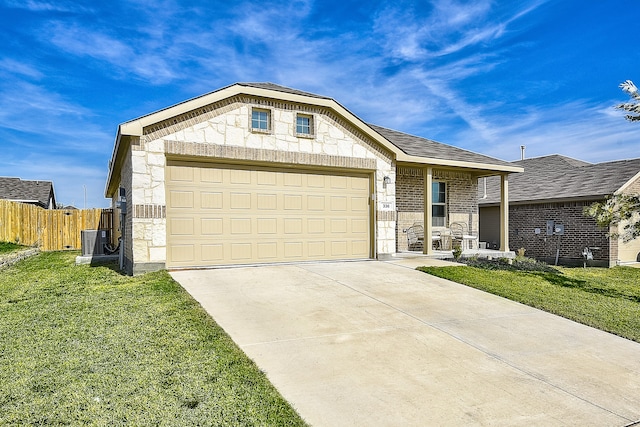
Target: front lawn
[86,345]
[607,299]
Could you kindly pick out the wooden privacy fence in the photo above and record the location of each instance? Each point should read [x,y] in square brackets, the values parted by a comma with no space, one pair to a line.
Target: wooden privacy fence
[50,230]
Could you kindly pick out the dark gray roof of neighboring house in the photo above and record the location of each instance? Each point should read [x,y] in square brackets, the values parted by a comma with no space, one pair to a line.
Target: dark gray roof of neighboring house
[559,177]
[278,88]
[423,147]
[16,189]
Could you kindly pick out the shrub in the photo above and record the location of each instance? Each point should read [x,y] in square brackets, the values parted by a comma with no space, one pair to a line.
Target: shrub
[523,264]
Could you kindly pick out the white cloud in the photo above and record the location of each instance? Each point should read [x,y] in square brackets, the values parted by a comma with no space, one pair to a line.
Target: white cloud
[46,6]
[30,114]
[14,67]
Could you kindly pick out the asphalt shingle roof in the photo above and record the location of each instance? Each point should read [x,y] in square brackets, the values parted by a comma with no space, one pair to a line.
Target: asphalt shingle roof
[560,177]
[423,147]
[278,88]
[17,189]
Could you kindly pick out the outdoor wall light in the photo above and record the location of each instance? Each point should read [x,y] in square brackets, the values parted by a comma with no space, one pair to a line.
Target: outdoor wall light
[386,180]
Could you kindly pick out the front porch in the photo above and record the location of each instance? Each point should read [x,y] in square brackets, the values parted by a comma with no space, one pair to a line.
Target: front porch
[442,204]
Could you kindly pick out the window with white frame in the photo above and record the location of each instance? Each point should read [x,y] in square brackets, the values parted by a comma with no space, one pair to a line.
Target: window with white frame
[260,120]
[304,125]
[439,203]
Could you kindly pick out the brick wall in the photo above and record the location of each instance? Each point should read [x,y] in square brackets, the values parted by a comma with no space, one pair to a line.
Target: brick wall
[579,231]
[462,203]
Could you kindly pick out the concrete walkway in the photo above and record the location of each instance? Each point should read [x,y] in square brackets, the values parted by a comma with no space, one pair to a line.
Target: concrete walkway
[378,343]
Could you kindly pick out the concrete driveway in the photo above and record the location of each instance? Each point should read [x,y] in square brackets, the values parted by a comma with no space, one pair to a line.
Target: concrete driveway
[378,343]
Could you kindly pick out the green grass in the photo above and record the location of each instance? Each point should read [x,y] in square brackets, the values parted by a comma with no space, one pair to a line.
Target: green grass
[85,345]
[607,299]
[6,247]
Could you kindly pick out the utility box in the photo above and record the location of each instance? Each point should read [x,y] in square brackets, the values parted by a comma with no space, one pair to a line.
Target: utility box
[550,228]
[94,242]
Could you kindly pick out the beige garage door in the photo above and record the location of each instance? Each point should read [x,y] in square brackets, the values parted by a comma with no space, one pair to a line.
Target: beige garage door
[219,214]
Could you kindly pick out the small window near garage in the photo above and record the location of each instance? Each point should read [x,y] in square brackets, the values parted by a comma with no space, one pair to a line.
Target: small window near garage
[260,120]
[304,125]
[439,204]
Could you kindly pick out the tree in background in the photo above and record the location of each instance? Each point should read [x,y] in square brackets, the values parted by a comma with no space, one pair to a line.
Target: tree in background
[621,208]
[617,209]
[634,105]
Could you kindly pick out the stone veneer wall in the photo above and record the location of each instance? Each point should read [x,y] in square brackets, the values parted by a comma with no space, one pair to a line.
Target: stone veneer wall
[462,203]
[336,143]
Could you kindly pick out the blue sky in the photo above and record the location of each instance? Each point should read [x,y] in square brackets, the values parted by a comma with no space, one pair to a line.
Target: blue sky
[483,75]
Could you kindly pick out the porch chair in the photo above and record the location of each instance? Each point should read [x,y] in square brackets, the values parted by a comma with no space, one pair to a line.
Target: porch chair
[415,237]
[461,236]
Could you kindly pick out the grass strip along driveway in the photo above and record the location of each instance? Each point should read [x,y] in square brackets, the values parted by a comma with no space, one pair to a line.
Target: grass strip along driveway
[86,345]
[604,298]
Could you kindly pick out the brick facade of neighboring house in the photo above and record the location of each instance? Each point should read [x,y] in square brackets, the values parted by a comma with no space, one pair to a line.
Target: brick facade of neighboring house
[579,231]
[557,188]
[194,176]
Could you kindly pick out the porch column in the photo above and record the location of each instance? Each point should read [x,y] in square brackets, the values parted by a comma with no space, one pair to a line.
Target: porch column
[504,212]
[427,246]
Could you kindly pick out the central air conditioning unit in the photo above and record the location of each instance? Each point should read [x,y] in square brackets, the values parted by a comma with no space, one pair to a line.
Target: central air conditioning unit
[94,242]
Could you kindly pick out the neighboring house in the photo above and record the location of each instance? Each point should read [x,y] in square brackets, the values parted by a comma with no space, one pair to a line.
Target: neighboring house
[554,190]
[38,193]
[260,173]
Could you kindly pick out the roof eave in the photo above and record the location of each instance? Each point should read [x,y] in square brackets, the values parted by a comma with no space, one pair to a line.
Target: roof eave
[403,157]
[593,197]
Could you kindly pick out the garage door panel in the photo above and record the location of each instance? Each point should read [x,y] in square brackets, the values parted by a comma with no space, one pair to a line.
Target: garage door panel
[316,225]
[240,200]
[266,178]
[293,249]
[241,251]
[267,226]
[339,248]
[293,202]
[210,175]
[218,215]
[293,225]
[359,226]
[182,226]
[182,253]
[317,250]
[181,174]
[316,181]
[212,252]
[211,200]
[240,226]
[359,204]
[267,201]
[316,203]
[211,226]
[239,176]
[339,203]
[339,182]
[360,247]
[267,250]
[181,199]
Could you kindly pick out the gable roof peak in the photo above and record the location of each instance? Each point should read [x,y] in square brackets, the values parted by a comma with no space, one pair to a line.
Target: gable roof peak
[280,88]
[551,158]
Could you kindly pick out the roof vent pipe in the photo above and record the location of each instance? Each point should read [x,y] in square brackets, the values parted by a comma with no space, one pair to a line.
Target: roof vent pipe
[522,148]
